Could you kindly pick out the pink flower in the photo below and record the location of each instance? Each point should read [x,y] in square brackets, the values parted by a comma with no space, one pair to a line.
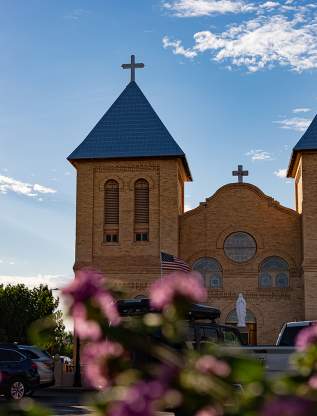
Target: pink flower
[85,328]
[306,338]
[289,406]
[89,285]
[313,382]
[208,411]
[95,358]
[210,364]
[139,399]
[178,284]
[108,306]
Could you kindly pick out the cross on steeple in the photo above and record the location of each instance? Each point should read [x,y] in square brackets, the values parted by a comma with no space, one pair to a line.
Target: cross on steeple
[240,173]
[132,66]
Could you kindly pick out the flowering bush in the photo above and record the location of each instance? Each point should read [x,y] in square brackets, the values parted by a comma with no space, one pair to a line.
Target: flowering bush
[141,365]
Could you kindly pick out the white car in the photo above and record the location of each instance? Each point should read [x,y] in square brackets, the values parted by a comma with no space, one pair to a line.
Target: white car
[43,361]
[290,330]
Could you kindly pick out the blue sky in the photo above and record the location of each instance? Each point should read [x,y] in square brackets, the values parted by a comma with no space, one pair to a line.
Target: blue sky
[233,81]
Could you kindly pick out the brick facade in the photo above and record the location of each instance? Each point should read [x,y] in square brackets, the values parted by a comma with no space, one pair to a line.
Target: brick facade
[306,203]
[198,233]
[130,264]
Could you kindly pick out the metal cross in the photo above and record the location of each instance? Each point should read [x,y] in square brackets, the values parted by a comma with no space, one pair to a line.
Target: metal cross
[240,173]
[132,66]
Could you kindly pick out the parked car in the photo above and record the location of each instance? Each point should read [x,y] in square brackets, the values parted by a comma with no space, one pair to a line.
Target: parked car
[18,374]
[43,361]
[66,360]
[276,358]
[290,330]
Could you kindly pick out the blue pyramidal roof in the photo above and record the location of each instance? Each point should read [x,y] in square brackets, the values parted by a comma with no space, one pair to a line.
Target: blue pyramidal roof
[307,142]
[129,129]
[309,139]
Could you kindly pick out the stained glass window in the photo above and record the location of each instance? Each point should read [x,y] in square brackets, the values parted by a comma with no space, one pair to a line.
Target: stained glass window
[210,270]
[281,280]
[240,247]
[274,271]
[265,280]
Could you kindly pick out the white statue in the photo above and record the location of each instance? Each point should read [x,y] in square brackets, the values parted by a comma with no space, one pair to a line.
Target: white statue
[241,309]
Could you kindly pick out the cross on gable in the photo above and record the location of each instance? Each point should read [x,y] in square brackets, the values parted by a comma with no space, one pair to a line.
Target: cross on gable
[132,66]
[240,173]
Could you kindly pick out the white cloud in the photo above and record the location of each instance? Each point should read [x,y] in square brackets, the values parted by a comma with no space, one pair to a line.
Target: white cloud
[195,8]
[187,207]
[259,155]
[8,184]
[52,281]
[177,48]
[269,5]
[43,189]
[77,14]
[281,173]
[294,123]
[301,110]
[264,41]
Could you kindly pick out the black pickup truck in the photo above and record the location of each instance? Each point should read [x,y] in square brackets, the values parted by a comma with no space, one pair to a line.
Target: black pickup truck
[201,325]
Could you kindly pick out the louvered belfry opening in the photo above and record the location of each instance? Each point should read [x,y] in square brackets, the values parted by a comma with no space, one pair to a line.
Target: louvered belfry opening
[111,221]
[141,210]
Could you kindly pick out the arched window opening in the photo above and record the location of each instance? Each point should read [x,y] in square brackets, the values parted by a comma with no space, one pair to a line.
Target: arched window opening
[141,210]
[250,336]
[274,271]
[111,212]
[210,270]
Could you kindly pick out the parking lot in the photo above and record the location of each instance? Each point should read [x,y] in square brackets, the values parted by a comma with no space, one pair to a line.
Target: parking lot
[71,403]
[66,402]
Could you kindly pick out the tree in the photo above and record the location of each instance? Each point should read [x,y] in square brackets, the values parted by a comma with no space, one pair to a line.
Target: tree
[22,308]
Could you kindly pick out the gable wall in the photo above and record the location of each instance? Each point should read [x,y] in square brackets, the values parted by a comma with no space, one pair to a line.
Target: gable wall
[277,231]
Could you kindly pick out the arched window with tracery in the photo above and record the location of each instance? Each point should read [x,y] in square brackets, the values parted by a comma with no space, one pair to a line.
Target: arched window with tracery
[274,271]
[210,270]
[141,210]
[111,212]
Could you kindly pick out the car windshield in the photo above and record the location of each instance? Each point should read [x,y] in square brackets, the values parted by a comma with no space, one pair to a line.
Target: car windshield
[29,354]
[289,335]
[10,355]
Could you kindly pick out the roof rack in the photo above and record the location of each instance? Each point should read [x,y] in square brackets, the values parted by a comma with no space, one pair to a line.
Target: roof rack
[137,307]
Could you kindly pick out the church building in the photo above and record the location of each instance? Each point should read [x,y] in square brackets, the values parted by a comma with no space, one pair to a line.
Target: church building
[130,208]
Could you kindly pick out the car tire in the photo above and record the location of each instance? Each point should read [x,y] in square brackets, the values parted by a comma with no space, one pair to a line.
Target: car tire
[16,390]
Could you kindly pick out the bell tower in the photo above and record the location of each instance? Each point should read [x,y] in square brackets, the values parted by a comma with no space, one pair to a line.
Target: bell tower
[130,191]
[303,168]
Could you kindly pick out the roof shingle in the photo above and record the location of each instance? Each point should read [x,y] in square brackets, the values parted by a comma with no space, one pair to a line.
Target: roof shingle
[307,142]
[309,139]
[129,129]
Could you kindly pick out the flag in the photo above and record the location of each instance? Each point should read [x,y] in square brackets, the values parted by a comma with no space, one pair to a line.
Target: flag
[170,263]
